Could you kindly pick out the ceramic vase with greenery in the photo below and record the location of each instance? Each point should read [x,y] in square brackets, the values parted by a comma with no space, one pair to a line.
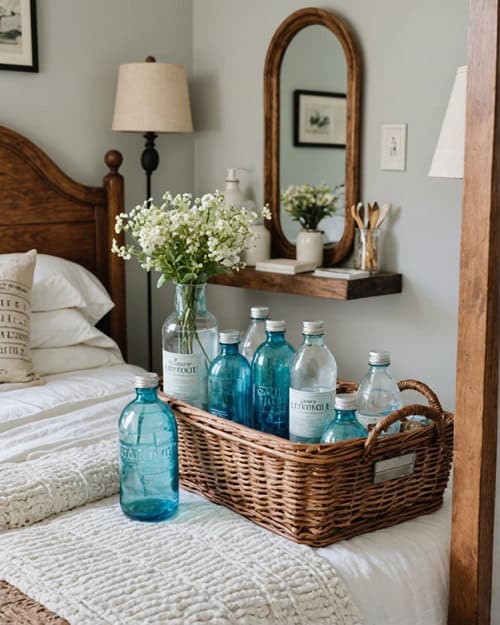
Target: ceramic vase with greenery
[309,205]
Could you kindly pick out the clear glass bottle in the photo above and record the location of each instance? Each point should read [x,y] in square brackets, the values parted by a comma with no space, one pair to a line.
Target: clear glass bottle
[378,394]
[313,383]
[189,346]
[255,334]
[149,474]
[344,424]
[271,380]
[230,382]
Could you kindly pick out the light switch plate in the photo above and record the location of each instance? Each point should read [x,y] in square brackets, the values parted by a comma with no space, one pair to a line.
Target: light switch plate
[393,155]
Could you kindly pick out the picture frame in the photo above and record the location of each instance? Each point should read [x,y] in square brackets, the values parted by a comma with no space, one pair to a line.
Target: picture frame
[320,119]
[18,36]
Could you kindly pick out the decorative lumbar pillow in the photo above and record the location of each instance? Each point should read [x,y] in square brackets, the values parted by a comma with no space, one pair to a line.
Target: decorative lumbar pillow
[16,279]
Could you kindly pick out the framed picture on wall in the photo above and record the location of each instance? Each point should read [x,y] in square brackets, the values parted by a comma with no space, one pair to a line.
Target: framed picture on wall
[18,40]
[320,119]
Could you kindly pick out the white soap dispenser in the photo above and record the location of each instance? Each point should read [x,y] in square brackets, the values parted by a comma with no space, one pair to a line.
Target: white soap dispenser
[232,193]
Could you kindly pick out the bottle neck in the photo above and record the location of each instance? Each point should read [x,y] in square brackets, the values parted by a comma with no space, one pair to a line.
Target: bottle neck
[228,349]
[190,297]
[344,416]
[314,339]
[275,338]
[258,322]
[374,369]
[147,394]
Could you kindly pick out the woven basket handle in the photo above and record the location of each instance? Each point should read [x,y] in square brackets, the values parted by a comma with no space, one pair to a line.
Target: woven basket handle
[415,409]
[344,386]
[423,389]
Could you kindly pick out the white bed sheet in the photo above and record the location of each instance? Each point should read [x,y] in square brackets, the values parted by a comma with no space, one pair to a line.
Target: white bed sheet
[397,576]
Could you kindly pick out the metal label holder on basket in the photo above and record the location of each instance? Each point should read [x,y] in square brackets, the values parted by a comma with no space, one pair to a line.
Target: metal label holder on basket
[394,468]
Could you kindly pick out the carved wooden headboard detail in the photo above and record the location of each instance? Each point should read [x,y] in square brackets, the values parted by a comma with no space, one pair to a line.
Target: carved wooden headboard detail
[43,208]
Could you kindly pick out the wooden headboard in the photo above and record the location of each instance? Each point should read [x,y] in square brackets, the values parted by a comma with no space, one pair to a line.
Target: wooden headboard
[42,208]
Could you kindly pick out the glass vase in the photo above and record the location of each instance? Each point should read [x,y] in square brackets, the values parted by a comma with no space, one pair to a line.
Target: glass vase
[189,346]
[367,249]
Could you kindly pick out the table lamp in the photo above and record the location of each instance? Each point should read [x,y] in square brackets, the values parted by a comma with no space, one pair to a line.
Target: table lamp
[448,160]
[151,98]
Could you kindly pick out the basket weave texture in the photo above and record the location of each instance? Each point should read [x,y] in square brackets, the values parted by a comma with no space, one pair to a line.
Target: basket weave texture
[316,494]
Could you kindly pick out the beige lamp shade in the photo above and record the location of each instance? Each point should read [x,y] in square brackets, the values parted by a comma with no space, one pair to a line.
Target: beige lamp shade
[448,161]
[152,97]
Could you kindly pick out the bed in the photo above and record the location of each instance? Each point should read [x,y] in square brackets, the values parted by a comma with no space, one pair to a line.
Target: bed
[394,576]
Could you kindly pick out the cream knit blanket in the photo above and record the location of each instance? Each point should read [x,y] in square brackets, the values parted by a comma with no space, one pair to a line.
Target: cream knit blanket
[207,565]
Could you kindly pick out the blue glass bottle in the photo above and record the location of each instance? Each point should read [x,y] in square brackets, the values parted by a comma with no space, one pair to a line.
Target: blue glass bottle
[149,474]
[344,424]
[271,381]
[230,381]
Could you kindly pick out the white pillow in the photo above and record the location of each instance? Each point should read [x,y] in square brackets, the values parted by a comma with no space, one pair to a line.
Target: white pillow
[74,358]
[60,283]
[68,326]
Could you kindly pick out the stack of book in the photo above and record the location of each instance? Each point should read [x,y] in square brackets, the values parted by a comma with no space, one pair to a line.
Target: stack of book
[291,266]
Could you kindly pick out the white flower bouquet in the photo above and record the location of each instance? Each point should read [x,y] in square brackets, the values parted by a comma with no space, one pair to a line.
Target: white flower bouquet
[308,204]
[187,240]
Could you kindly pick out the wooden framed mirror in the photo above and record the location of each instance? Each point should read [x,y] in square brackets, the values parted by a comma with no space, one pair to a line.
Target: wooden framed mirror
[313,51]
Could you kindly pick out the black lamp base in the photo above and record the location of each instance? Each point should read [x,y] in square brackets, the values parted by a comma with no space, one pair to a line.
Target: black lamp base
[150,160]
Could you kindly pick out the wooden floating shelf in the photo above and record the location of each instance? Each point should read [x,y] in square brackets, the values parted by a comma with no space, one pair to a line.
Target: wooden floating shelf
[306,284]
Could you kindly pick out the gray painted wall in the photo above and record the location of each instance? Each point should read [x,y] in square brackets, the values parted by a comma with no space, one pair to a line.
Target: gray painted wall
[409,68]
[67,108]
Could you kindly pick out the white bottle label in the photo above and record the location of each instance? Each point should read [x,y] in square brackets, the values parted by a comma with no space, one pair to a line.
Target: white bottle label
[310,411]
[182,375]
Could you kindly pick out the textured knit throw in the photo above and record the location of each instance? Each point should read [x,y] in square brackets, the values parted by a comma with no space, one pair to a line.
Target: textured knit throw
[207,565]
[34,490]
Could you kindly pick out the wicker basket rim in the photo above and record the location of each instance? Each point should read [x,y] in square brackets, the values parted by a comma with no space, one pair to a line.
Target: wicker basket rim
[304,453]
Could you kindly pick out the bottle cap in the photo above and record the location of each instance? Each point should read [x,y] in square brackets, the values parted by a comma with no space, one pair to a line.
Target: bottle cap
[229,337]
[379,357]
[259,312]
[345,401]
[313,327]
[275,326]
[146,380]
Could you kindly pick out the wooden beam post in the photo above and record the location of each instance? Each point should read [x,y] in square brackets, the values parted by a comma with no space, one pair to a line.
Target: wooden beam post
[477,362]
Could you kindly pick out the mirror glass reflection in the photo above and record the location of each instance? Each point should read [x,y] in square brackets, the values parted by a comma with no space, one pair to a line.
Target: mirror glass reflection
[313,87]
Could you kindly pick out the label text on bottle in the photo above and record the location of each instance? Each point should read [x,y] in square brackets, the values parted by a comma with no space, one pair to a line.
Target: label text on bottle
[310,411]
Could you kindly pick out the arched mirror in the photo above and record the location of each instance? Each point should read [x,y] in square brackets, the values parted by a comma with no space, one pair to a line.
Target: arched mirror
[312,122]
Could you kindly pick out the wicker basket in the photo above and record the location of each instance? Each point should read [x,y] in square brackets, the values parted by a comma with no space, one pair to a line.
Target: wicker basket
[318,494]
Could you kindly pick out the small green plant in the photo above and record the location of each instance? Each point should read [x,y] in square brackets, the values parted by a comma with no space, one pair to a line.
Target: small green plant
[308,204]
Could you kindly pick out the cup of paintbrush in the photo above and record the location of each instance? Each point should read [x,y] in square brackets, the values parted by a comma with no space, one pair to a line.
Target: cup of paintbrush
[367,242]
